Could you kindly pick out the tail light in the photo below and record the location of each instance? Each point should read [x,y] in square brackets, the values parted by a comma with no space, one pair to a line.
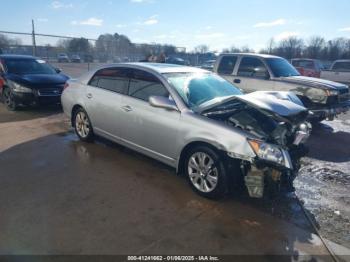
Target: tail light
[66,85]
[2,82]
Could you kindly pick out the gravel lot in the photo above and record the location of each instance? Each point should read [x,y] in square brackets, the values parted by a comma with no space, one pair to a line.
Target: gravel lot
[61,196]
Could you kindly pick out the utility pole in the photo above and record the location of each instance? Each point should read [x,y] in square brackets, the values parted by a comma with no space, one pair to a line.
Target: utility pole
[33,38]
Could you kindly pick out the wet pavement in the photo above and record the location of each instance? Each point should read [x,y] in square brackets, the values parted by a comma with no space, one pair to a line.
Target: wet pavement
[324,181]
[61,196]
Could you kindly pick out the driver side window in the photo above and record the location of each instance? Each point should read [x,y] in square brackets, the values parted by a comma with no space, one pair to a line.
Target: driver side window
[252,67]
[143,85]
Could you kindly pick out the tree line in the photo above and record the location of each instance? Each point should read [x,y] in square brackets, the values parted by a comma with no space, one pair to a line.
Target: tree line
[315,47]
[109,46]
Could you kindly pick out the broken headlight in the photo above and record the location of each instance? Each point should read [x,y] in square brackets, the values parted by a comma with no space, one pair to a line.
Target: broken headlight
[269,152]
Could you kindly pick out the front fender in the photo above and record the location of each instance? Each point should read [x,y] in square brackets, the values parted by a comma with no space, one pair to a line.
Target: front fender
[198,128]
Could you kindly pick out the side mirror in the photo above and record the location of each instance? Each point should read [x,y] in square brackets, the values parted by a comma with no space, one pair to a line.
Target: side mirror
[261,73]
[163,102]
[58,70]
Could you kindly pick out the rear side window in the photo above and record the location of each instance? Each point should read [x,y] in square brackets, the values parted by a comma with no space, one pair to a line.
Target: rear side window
[227,65]
[342,66]
[144,85]
[252,67]
[112,79]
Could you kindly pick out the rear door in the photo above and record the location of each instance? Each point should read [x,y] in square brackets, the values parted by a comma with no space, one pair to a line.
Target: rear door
[151,130]
[253,75]
[104,100]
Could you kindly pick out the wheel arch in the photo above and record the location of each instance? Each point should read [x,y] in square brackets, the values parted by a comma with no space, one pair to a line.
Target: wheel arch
[181,162]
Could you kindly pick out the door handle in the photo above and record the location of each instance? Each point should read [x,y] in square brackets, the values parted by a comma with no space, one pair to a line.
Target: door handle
[126,108]
[89,95]
[237,81]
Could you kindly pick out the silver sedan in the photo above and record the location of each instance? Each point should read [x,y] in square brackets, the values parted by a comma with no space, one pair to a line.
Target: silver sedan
[194,121]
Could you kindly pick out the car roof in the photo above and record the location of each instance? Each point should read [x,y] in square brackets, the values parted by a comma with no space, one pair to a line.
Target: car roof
[251,54]
[160,68]
[19,57]
[305,59]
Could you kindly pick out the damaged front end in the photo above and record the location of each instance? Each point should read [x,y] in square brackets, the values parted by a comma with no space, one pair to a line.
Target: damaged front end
[278,143]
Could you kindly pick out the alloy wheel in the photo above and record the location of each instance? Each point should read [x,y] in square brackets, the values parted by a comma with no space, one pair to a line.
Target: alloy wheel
[9,102]
[82,124]
[202,172]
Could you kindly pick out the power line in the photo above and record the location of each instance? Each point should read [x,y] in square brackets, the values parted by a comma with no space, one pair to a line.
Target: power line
[56,36]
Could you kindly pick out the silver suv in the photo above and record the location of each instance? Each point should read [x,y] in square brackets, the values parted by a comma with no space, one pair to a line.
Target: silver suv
[194,121]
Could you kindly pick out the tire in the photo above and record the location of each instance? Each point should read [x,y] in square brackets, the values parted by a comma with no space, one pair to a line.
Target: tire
[82,125]
[8,100]
[206,172]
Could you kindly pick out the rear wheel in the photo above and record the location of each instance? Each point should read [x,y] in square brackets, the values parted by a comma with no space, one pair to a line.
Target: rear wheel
[82,125]
[10,103]
[206,172]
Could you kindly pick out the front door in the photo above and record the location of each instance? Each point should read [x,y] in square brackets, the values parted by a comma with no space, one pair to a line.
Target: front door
[253,75]
[148,129]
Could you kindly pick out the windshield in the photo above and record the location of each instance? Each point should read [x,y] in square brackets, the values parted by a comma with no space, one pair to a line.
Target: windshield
[28,66]
[281,68]
[198,88]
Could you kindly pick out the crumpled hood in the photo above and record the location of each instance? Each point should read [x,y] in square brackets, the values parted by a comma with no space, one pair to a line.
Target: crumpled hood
[282,103]
[312,82]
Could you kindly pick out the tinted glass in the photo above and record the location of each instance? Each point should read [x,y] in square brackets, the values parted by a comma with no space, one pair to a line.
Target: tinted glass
[281,67]
[252,67]
[143,85]
[28,66]
[342,66]
[112,79]
[196,89]
[227,65]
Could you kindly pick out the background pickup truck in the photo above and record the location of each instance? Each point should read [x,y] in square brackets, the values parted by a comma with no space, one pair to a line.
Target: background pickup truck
[339,72]
[308,67]
[257,72]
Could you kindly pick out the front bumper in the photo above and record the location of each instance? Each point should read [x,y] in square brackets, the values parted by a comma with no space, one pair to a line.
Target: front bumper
[330,112]
[44,96]
[261,176]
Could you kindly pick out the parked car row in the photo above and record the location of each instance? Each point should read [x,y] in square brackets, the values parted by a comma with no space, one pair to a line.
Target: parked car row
[64,58]
[199,122]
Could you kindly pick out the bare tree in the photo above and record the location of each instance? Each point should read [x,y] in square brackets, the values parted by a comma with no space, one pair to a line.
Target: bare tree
[270,45]
[290,47]
[315,46]
[201,49]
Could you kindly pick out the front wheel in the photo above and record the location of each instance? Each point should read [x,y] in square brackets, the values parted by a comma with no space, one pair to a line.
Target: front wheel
[10,103]
[82,126]
[206,172]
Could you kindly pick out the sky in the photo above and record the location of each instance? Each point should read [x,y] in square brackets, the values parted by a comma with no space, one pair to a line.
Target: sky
[183,23]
